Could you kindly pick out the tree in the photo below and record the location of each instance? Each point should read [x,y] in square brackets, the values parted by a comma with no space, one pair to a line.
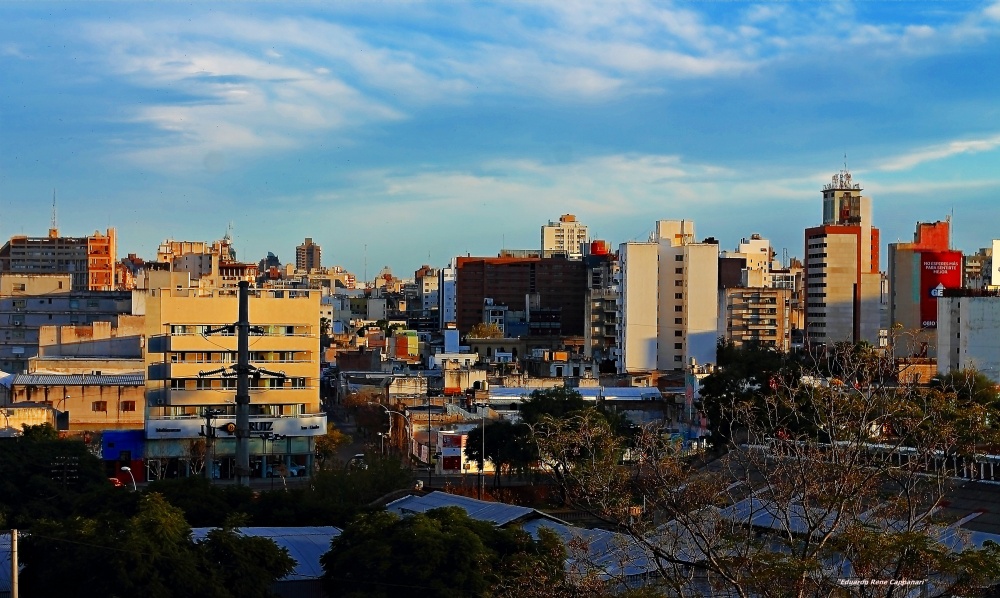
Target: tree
[147,553]
[828,481]
[328,444]
[508,445]
[248,565]
[485,330]
[745,373]
[557,402]
[439,553]
[44,476]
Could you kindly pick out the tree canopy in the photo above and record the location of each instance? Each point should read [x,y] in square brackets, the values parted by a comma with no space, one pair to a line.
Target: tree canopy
[839,473]
[439,553]
[147,553]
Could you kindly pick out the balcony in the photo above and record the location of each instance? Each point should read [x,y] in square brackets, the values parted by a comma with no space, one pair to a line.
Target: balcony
[217,396]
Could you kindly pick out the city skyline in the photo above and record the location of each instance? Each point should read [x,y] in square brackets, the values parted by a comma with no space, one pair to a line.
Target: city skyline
[399,134]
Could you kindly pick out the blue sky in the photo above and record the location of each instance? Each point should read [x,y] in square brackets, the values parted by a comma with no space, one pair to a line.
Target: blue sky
[411,132]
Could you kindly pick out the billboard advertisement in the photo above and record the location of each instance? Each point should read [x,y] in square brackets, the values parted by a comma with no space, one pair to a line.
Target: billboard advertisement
[939,270]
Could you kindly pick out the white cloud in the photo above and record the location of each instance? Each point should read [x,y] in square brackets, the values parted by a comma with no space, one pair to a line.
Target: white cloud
[940,152]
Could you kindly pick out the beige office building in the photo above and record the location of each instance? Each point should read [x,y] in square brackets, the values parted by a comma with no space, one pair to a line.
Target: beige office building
[187,362]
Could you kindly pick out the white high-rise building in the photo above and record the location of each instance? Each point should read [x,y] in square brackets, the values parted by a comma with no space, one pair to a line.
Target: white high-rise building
[638,282]
[567,236]
[446,293]
[675,318]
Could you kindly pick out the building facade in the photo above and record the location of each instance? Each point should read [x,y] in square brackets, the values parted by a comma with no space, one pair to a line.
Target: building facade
[90,261]
[843,282]
[190,362]
[968,332]
[919,273]
[28,302]
[308,256]
[548,283]
[566,237]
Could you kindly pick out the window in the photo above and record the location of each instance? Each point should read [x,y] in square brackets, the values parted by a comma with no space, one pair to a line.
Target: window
[20,287]
[678,346]
[679,258]
[178,384]
[93,303]
[678,308]
[678,320]
[678,295]
[74,303]
[20,303]
[678,333]
[99,406]
[678,270]
[204,384]
[128,405]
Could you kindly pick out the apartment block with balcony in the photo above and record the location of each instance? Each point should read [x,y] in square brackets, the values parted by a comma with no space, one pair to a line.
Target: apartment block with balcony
[189,365]
[90,260]
[759,315]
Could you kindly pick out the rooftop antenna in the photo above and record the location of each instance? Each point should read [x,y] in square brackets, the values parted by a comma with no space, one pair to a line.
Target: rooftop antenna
[54,224]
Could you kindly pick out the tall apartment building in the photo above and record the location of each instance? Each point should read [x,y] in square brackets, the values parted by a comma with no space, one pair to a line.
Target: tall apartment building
[28,302]
[668,307]
[600,333]
[760,297]
[187,365]
[565,237]
[550,285]
[308,256]
[919,273]
[637,316]
[843,283]
[446,294]
[426,281]
[89,260]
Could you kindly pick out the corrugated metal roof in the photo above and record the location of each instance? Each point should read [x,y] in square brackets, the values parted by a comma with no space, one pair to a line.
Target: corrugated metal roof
[589,393]
[79,380]
[304,544]
[494,512]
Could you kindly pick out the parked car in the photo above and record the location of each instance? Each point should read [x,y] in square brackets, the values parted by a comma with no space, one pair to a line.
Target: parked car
[358,462]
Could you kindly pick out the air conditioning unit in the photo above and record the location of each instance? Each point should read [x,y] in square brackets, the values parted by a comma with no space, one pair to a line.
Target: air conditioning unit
[18,323]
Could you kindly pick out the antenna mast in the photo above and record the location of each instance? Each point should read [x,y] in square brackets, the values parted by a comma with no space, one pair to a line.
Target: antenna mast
[54,224]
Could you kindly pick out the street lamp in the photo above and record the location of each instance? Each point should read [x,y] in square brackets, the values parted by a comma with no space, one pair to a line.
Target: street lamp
[128,470]
[389,412]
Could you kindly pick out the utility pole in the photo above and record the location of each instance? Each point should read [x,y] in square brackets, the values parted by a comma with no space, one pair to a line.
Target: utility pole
[243,387]
[13,563]
[242,370]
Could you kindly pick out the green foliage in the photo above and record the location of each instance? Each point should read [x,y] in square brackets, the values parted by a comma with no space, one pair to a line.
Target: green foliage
[745,374]
[439,553]
[484,330]
[149,553]
[45,477]
[509,446]
[39,432]
[557,402]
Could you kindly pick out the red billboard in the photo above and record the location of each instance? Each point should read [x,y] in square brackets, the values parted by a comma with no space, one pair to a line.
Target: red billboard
[939,270]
